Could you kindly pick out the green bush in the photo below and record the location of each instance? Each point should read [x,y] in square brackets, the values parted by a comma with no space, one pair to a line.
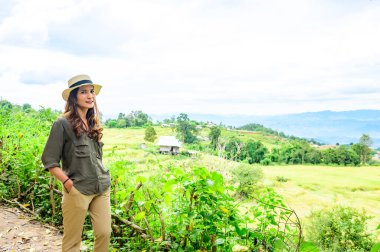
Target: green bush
[340,229]
[247,176]
[150,134]
[265,161]
[282,179]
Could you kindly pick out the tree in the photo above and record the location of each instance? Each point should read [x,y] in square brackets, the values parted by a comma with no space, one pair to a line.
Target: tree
[329,156]
[5,104]
[121,123]
[314,156]
[248,177]
[138,118]
[111,123]
[150,134]
[255,151]
[294,152]
[346,156]
[363,148]
[301,149]
[234,149]
[170,120]
[185,129]
[26,107]
[121,116]
[214,136]
[274,155]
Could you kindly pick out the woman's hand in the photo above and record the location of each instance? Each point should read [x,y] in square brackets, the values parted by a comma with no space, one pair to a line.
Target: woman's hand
[68,185]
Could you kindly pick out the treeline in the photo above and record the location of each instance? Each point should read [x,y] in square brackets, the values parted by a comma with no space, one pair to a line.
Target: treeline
[261,128]
[292,152]
[133,119]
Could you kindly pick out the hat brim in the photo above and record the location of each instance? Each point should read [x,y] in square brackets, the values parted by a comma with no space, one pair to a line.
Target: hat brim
[66,92]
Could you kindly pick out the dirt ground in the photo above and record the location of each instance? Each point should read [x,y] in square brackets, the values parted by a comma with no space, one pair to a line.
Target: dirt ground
[19,232]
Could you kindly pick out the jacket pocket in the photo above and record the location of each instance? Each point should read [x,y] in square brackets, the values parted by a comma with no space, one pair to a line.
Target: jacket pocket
[82,150]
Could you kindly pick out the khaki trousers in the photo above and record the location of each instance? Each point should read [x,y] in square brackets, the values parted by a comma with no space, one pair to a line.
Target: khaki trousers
[74,209]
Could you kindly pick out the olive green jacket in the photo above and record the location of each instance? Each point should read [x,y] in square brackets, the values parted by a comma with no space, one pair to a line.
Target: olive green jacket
[81,158]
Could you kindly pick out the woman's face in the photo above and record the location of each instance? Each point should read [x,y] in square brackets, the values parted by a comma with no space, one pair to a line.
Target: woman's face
[86,97]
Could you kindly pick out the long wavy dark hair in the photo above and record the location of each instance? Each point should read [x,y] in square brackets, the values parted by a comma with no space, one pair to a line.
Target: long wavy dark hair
[94,130]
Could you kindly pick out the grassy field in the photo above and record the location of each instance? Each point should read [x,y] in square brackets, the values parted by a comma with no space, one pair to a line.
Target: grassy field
[314,187]
[307,187]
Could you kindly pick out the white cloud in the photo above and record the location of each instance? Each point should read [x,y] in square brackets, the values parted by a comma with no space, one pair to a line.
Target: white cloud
[250,57]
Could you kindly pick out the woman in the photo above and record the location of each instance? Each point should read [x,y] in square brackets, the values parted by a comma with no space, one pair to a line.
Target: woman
[73,154]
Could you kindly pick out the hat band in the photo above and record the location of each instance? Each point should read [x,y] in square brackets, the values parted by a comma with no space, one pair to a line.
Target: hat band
[80,83]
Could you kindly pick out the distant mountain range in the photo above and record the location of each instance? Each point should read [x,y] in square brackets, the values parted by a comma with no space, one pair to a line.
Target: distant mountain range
[329,127]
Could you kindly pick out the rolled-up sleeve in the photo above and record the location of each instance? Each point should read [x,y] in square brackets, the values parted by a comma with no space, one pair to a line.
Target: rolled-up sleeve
[52,153]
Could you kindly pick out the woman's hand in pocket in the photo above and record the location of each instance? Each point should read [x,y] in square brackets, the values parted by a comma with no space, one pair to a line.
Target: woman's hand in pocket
[69,185]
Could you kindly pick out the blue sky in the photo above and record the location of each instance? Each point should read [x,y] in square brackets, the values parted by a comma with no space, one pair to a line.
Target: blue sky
[200,56]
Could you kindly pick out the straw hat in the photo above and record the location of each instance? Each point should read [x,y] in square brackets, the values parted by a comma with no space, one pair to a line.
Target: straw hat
[77,81]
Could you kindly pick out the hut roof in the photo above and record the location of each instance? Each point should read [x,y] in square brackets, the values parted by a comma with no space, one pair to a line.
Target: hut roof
[169,141]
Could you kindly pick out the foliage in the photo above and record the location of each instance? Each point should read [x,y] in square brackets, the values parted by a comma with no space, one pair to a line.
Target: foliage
[247,176]
[23,134]
[214,135]
[281,179]
[185,129]
[133,119]
[294,151]
[341,155]
[363,148]
[254,151]
[191,210]
[138,118]
[170,120]
[261,128]
[234,148]
[300,152]
[340,229]
[276,225]
[376,247]
[150,134]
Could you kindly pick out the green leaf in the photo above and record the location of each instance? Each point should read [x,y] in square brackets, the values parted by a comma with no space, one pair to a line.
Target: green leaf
[168,187]
[279,245]
[308,247]
[219,241]
[168,199]
[148,205]
[141,179]
[258,213]
[242,231]
[140,216]
[376,247]
[201,172]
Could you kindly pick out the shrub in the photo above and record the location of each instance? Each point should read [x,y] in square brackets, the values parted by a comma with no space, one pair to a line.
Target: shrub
[150,134]
[247,176]
[265,161]
[339,229]
[281,179]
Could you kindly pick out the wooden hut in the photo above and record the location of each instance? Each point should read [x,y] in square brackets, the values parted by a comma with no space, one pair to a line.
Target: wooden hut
[169,145]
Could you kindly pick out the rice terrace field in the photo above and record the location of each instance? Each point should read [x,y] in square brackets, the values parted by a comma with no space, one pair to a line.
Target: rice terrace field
[305,188]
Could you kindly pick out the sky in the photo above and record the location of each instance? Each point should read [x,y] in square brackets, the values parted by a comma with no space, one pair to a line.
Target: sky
[224,57]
